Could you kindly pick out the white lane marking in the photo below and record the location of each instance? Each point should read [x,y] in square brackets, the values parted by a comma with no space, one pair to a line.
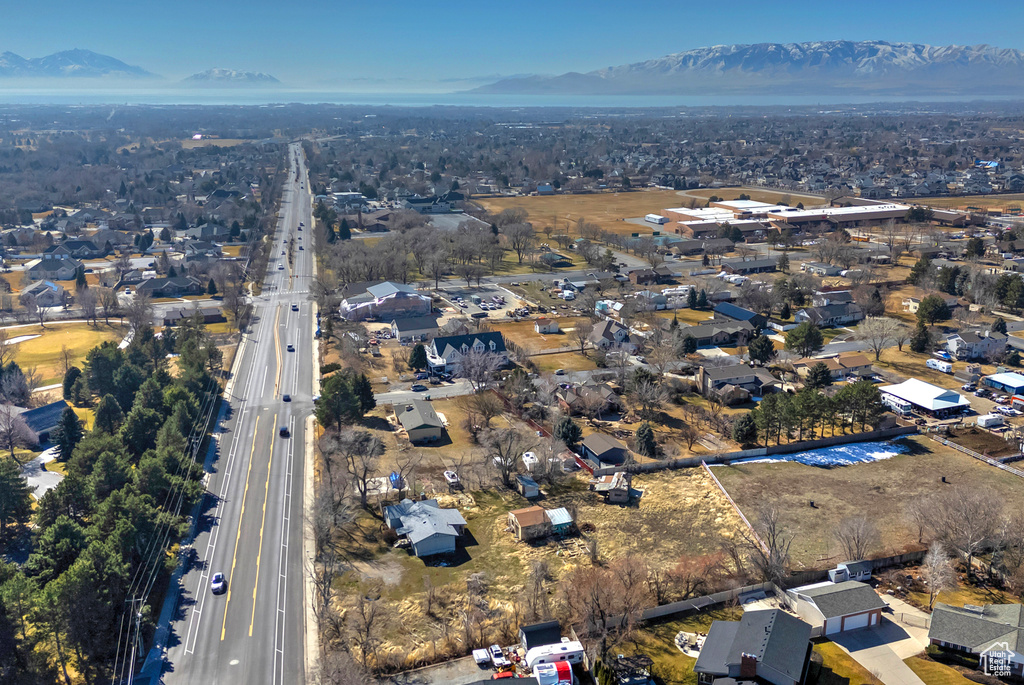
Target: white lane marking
[282,577]
[263,390]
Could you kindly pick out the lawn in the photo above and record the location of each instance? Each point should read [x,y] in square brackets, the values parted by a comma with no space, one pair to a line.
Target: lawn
[522,333]
[44,352]
[604,209]
[879,490]
[966,594]
[934,673]
[839,668]
[657,640]
[687,316]
[570,361]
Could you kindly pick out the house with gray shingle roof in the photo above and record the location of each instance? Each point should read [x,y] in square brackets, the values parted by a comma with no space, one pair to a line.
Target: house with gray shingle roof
[429,528]
[420,421]
[764,646]
[837,607]
[981,630]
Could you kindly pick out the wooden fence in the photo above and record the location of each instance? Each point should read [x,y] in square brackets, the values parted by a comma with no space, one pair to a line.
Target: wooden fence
[980,457]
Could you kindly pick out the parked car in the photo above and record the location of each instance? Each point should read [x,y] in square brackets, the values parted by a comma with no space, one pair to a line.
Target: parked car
[968,387]
[1002,399]
[418,388]
[944,356]
[498,657]
[422,376]
[560,372]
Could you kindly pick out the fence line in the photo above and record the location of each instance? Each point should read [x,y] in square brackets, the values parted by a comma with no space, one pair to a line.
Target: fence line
[978,456]
[914,620]
[734,506]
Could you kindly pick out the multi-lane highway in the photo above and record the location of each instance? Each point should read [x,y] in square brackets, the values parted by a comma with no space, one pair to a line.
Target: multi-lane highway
[251,528]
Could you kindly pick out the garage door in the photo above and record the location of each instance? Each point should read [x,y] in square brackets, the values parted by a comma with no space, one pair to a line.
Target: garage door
[854,622]
[832,626]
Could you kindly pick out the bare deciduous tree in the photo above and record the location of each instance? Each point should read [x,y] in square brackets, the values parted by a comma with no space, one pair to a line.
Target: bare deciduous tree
[581,335]
[504,447]
[856,536]
[768,544]
[478,367]
[14,432]
[879,332]
[87,301]
[361,452]
[139,312]
[938,572]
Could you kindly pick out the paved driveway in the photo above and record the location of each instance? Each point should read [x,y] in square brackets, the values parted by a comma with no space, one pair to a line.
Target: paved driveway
[456,672]
[39,479]
[878,650]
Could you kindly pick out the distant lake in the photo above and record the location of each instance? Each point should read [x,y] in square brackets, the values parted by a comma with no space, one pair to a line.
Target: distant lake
[263,96]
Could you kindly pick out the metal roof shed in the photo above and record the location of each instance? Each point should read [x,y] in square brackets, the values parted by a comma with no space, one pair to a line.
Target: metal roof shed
[561,520]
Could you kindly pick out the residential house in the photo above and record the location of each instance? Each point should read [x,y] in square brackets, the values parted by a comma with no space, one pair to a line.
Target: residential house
[171,286]
[852,570]
[53,269]
[420,421]
[756,381]
[546,326]
[993,632]
[976,345]
[837,607]
[172,317]
[643,277]
[609,333]
[386,301]
[614,487]
[429,528]
[74,249]
[911,304]
[581,399]
[604,449]
[768,646]
[720,333]
[840,366]
[414,328]
[737,313]
[43,420]
[750,266]
[830,315]
[445,353]
[46,293]
[824,298]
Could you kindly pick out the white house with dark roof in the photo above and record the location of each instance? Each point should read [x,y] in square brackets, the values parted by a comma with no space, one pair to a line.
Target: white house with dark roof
[976,345]
[445,353]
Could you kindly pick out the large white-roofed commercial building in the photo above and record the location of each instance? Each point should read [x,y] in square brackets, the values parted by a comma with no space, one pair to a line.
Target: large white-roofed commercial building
[925,398]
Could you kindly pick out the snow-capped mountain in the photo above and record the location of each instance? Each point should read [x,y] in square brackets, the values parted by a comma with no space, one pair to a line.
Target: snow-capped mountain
[222,77]
[800,68]
[68,63]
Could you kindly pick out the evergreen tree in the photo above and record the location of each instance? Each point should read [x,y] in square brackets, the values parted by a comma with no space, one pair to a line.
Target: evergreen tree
[999,325]
[344,231]
[165,234]
[921,340]
[72,375]
[67,434]
[418,357]
[783,263]
[80,282]
[109,416]
[919,271]
[744,431]
[1013,358]
[645,441]
[702,299]
[932,309]
[691,298]
[806,339]
[338,403]
[785,312]
[819,376]
[689,344]
[761,349]
[211,288]
[363,390]
[15,502]
[568,432]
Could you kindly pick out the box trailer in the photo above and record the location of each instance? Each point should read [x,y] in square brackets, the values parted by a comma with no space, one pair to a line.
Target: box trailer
[656,219]
[990,420]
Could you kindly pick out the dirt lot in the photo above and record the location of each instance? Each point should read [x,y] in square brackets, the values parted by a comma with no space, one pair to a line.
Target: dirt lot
[523,334]
[605,209]
[570,361]
[986,442]
[760,195]
[990,202]
[879,489]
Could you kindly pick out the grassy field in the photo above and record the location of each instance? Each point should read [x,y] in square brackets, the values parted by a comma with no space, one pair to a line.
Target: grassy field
[189,144]
[934,673]
[604,209]
[989,202]
[570,361]
[523,334]
[692,317]
[966,594]
[44,352]
[879,490]
[657,640]
[760,195]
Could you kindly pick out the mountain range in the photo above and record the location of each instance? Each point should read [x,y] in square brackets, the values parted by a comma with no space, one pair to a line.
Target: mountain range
[68,63]
[222,77]
[813,68]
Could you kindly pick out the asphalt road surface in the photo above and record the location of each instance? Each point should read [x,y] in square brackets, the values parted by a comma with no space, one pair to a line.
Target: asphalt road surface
[251,526]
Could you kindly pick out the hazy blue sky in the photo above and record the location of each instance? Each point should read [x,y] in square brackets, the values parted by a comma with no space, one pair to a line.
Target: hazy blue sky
[313,42]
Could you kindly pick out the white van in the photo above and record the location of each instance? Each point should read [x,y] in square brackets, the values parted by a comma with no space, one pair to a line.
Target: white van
[939,365]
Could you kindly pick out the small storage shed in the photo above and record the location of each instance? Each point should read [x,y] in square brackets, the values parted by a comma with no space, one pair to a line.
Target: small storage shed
[527,487]
[561,520]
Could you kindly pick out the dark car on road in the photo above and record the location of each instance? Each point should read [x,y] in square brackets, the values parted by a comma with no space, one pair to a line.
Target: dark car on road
[418,388]
[284,432]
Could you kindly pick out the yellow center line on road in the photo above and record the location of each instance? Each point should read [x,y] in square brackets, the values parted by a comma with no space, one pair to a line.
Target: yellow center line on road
[238,534]
[277,349]
[263,523]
